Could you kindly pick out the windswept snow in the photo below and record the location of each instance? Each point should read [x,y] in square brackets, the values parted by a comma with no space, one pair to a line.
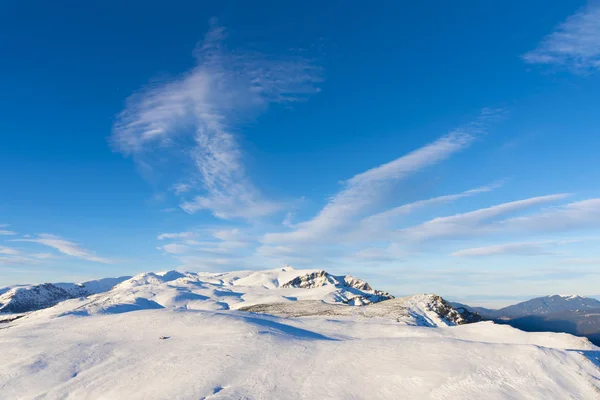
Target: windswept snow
[176,335]
[234,355]
[421,310]
[224,291]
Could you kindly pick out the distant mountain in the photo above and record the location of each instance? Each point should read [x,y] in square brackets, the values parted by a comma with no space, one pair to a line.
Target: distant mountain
[548,305]
[25,298]
[538,306]
[584,323]
[572,314]
[482,311]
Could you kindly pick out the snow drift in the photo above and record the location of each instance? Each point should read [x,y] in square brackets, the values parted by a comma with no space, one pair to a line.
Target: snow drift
[186,336]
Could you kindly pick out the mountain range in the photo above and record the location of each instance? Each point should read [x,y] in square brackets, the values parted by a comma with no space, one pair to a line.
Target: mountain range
[280,333]
[577,315]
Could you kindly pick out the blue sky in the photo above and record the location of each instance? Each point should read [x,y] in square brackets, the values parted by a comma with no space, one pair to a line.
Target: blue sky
[443,147]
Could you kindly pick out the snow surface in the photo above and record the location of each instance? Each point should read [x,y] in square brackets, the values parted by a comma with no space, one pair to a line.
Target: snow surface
[208,291]
[421,309]
[182,336]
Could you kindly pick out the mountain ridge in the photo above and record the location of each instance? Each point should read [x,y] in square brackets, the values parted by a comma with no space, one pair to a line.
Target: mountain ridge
[573,314]
[25,298]
[301,292]
[186,335]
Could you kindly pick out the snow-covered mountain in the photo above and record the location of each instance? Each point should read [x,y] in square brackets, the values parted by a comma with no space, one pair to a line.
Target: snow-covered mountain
[365,294]
[189,290]
[206,336]
[538,306]
[548,305]
[421,310]
[24,298]
[577,315]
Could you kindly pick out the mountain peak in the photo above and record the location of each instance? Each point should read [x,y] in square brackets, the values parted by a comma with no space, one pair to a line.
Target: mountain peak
[569,296]
[175,289]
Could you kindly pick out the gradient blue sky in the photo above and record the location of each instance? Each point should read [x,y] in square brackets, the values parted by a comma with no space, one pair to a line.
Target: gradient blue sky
[447,147]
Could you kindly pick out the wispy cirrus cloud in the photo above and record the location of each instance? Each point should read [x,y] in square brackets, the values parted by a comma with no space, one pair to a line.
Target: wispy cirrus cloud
[175,248]
[211,248]
[11,260]
[364,191]
[176,235]
[8,251]
[10,256]
[6,232]
[529,248]
[197,113]
[65,247]
[575,43]
[584,214]
[43,256]
[519,248]
[474,222]
[181,188]
[386,218]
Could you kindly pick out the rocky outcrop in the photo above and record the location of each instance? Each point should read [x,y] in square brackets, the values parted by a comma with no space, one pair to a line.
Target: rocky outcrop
[36,297]
[364,294]
[457,316]
[422,310]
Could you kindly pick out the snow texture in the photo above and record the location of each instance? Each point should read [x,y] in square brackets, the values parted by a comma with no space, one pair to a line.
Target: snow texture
[175,335]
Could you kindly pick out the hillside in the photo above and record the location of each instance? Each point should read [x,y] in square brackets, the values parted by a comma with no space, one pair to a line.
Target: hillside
[24,298]
[194,336]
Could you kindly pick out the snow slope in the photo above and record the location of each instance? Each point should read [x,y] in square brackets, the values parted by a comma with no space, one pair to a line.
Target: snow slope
[234,355]
[209,291]
[577,315]
[179,335]
[421,309]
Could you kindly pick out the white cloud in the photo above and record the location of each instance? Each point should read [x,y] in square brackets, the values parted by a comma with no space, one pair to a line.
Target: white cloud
[377,255]
[383,219]
[181,188]
[15,260]
[522,248]
[365,190]
[228,234]
[287,221]
[245,205]
[66,247]
[200,109]
[175,248]
[574,43]
[583,214]
[473,223]
[8,251]
[177,235]
[6,232]
[43,256]
[215,241]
